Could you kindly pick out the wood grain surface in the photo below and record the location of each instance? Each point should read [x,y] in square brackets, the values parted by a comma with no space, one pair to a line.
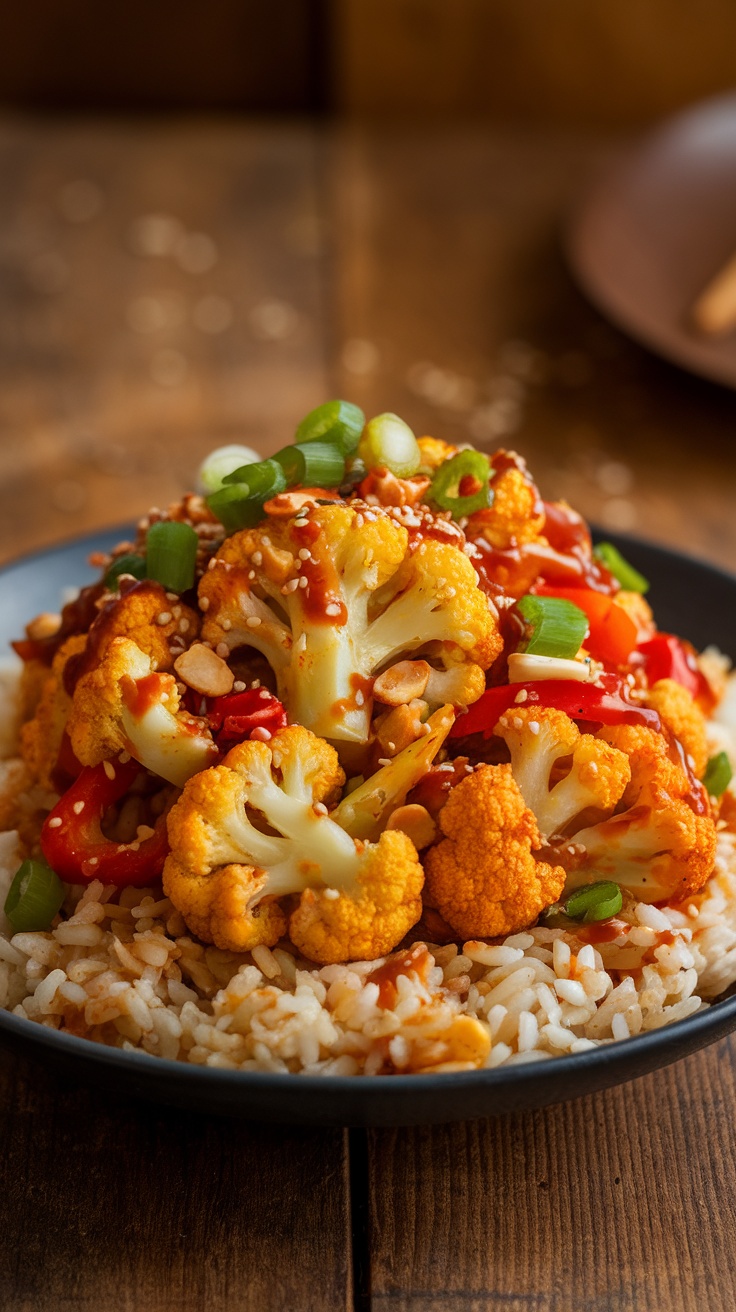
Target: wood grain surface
[411,271]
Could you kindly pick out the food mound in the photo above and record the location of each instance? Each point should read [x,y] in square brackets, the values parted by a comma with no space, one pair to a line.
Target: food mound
[365,760]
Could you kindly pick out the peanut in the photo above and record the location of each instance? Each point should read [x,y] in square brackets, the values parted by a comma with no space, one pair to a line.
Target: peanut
[204,671]
[416,822]
[401,683]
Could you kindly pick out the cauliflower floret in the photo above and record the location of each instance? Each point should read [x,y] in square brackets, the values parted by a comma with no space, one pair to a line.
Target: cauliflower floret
[149,618]
[684,719]
[662,847]
[538,738]
[41,737]
[336,594]
[516,514]
[483,877]
[435,452]
[122,705]
[225,874]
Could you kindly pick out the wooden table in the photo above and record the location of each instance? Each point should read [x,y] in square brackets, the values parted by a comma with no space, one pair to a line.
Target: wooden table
[170,287]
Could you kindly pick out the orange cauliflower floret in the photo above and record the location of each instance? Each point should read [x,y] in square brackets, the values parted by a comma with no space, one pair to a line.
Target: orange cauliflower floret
[684,719]
[226,875]
[434,452]
[41,737]
[662,847]
[540,737]
[336,594]
[516,514]
[483,877]
[150,618]
[123,705]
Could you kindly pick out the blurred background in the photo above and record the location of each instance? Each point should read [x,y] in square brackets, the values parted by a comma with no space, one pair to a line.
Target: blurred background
[215,216]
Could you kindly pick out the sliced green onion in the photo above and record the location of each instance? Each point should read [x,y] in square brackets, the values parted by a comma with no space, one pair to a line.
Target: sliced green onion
[313,464]
[594,902]
[264,477]
[240,504]
[171,555]
[462,484]
[558,627]
[131,563]
[218,464]
[389,443]
[34,897]
[338,422]
[718,775]
[627,576]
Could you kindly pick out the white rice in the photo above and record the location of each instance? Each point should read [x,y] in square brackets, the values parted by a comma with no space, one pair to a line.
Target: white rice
[121,969]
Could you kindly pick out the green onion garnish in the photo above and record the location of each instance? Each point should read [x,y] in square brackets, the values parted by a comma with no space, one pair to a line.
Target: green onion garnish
[718,774]
[240,504]
[594,902]
[462,484]
[557,626]
[34,897]
[388,443]
[218,464]
[338,422]
[627,576]
[312,464]
[171,555]
[131,563]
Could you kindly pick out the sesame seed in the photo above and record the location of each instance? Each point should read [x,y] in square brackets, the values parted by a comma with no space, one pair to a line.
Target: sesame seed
[264,694]
[54,823]
[359,698]
[304,582]
[222,650]
[534,726]
[93,861]
[238,686]
[291,586]
[261,735]
[109,769]
[320,808]
[384,760]
[227,625]
[517,722]
[305,554]
[78,808]
[204,603]
[251,574]
[256,683]
[143,832]
[331,894]
[164,617]
[521,695]
[253,622]
[332,608]
[257,557]
[391,747]
[184,626]
[124,757]
[172,596]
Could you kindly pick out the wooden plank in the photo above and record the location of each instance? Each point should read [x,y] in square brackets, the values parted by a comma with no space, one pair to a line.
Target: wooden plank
[579,61]
[120,368]
[455,309]
[620,1202]
[110,1206]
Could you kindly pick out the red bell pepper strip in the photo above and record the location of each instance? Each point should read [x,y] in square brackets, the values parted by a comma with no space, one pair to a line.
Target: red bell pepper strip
[581,701]
[613,633]
[668,657]
[234,717]
[74,845]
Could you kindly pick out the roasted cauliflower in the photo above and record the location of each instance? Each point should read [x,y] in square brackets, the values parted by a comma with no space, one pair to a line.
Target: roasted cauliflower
[249,833]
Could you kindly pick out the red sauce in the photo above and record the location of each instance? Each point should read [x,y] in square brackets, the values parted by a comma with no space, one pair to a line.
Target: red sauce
[414,959]
[323,584]
[141,695]
[604,932]
[358,683]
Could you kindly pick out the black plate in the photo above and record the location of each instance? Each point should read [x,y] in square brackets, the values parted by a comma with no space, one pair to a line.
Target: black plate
[689,598]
